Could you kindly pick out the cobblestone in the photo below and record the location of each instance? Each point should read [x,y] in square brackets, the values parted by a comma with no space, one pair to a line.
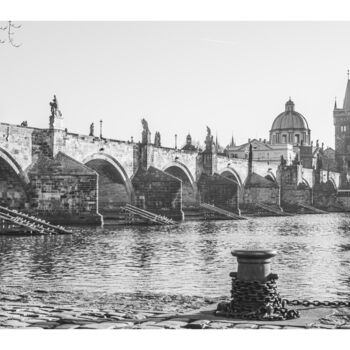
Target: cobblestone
[246,326]
[269,327]
[140,311]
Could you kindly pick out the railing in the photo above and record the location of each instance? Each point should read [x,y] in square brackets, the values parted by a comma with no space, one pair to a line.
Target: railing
[226,213]
[313,209]
[272,210]
[144,214]
[13,220]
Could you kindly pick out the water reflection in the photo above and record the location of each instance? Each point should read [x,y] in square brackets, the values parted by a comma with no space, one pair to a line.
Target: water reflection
[192,258]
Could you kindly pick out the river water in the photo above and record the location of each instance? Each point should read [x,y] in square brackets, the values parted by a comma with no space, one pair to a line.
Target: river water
[192,258]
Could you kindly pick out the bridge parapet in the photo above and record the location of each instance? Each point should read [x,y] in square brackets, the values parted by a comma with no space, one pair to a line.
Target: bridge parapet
[160,157]
[240,167]
[81,147]
[17,141]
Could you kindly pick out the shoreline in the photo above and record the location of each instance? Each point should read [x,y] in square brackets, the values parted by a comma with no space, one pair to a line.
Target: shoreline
[55,309]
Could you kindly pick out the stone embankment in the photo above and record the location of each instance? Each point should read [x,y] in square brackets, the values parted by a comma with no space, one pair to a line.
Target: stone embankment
[47,309]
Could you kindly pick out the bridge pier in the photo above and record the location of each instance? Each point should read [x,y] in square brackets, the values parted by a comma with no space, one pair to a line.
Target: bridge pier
[158,192]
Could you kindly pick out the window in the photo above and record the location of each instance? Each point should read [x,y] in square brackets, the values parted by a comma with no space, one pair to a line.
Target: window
[343,128]
[296,138]
[284,138]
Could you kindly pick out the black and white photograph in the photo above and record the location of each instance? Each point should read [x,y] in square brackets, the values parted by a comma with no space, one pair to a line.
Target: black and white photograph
[166,176]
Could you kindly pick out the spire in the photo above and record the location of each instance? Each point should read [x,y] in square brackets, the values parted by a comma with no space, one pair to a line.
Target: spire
[216,143]
[250,159]
[335,103]
[232,141]
[346,105]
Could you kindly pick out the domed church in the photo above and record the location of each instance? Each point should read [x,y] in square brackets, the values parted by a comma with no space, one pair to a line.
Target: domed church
[290,127]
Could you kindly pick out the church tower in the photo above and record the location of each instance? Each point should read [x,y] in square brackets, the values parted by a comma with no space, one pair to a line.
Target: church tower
[341,119]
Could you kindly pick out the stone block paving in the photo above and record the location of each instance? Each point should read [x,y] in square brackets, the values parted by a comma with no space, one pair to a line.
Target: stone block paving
[150,312]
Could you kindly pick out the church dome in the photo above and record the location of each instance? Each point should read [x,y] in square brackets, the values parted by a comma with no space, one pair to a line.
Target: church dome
[290,127]
[290,119]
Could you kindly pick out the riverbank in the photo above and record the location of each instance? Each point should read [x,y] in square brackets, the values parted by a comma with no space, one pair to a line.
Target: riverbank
[56,309]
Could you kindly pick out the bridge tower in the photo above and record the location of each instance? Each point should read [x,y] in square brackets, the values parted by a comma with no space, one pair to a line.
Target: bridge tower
[341,119]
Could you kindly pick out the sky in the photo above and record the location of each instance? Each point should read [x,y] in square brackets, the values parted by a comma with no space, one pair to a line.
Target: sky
[234,77]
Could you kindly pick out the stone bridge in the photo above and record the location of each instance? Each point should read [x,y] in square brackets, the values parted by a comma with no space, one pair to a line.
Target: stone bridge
[60,174]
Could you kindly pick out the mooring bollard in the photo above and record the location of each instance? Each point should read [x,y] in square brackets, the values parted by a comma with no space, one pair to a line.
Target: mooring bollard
[254,289]
[253,265]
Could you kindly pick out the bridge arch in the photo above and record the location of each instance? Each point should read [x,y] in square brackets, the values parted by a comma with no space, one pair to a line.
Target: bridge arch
[306,183]
[189,186]
[114,186]
[232,174]
[182,167]
[332,181]
[13,182]
[271,176]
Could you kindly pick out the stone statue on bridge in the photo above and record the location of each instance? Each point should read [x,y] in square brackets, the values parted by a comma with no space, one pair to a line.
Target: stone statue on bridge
[157,139]
[56,115]
[283,161]
[209,144]
[146,134]
[92,129]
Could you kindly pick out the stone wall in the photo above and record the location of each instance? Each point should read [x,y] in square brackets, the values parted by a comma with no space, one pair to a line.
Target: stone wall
[17,141]
[325,196]
[308,175]
[257,190]
[240,166]
[158,192]
[263,195]
[343,199]
[42,141]
[292,197]
[63,190]
[293,191]
[162,157]
[12,188]
[219,191]
[189,190]
[112,189]
[80,147]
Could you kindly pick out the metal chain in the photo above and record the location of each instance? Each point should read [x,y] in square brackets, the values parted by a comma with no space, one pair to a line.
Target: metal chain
[307,303]
[255,300]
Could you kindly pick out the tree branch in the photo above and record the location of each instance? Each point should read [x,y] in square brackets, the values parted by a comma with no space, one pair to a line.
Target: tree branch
[10,34]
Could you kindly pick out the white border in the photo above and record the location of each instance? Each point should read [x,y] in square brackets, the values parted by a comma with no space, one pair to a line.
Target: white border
[179,10]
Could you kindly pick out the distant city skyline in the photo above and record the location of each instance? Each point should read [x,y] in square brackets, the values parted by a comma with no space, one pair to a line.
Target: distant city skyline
[234,77]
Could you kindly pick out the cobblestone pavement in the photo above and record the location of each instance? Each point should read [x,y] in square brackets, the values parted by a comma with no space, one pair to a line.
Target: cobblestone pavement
[42,309]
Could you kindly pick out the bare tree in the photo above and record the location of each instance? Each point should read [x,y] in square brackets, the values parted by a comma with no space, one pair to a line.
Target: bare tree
[10,31]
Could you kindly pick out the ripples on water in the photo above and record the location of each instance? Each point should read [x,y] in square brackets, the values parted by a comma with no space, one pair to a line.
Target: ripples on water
[192,258]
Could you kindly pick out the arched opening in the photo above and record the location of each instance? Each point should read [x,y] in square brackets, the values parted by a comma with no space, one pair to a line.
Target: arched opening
[332,181]
[232,175]
[114,188]
[270,177]
[189,190]
[305,183]
[13,192]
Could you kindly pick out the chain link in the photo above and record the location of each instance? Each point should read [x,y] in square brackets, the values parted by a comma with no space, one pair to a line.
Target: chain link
[307,303]
[255,300]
